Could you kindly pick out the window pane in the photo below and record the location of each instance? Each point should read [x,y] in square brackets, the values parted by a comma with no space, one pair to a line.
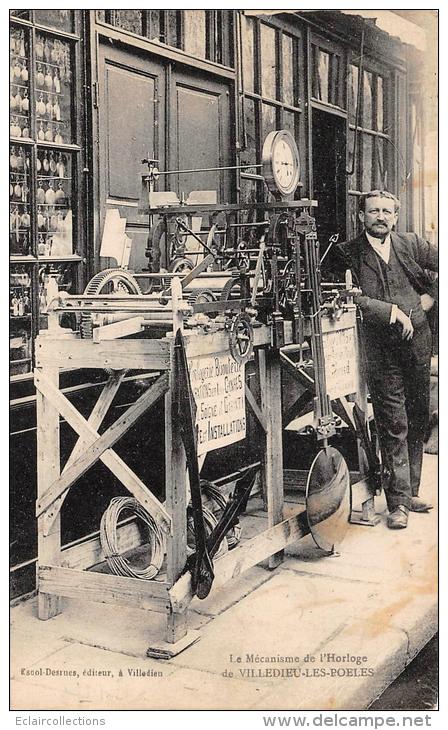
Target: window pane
[381,164]
[101,16]
[60,19]
[367,153]
[20,342]
[268,120]
[130,20]
[288,70]
[353,178]
[53,90]
[323,70]
[353,220]
[380,105]
[25,14]
[172,25]
[194,29]
[335,80]
[19,101]
[247,31]
[153,19]
[268,61]
[19,200]
[353,93]
[250,153]
[54,207]
[367,112]
[289,122]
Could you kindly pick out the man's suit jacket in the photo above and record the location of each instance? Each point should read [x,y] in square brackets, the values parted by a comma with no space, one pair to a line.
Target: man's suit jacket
[415,255]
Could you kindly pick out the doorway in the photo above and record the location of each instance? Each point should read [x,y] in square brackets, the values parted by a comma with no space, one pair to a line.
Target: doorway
[329,177]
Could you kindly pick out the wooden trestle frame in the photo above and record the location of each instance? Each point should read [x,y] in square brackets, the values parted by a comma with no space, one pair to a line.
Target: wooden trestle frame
[65,572]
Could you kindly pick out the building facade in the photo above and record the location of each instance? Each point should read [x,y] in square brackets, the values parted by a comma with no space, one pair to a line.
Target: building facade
[93,93]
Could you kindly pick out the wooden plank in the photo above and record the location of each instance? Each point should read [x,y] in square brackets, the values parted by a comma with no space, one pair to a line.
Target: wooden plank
[244,556]
[176,503]
[261,366]
[272,406]
[104,588]
[118,329]
[256,408]
[86,553]
[111,459]
[96,445]
[141,354]
[48,468]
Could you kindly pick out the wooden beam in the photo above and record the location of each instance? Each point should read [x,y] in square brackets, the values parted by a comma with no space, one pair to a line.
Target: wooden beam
[95,445]
[176,502]
[244,556]
[118,329]
[104,588]
[273,454]
[48,468]
[109,457]
[255,408]
[141,354]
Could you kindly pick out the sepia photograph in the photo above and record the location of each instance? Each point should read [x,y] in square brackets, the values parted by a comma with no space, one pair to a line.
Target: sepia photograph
[223,348]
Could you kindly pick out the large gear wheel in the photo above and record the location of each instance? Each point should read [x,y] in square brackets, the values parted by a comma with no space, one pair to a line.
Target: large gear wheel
[241,338]
[109,281]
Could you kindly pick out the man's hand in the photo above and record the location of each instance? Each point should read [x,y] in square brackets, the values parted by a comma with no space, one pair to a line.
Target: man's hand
[427,302]
[406,325]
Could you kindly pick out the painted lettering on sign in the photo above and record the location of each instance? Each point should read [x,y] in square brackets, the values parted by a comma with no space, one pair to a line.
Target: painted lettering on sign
[217,382]
[341,362]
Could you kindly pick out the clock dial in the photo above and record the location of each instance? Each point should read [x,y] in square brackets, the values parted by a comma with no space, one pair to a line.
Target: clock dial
[281,166]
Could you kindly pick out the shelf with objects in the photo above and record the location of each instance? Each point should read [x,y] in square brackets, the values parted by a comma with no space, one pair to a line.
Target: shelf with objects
[46,241]
[246,295]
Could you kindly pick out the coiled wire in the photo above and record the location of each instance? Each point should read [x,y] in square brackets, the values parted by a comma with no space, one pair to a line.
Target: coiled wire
[109,539]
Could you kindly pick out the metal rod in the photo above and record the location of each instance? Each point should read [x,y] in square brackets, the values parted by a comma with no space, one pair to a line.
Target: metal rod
[207,169]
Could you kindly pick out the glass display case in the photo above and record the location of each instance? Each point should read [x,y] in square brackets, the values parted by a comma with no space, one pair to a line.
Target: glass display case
[44,159]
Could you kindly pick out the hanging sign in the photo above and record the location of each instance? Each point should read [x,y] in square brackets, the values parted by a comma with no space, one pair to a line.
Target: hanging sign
[341,362]
[217,382]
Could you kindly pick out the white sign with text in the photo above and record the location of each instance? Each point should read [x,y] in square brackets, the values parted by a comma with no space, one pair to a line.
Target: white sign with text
[217,382]
[341,362]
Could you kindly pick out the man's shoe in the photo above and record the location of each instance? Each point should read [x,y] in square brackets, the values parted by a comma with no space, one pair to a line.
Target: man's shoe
[398,519]
[419,505]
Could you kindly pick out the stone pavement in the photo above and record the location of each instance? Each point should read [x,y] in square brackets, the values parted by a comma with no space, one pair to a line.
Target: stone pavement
[322,633]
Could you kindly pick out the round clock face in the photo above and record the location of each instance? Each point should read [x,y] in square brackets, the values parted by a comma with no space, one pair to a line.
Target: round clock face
[281,164]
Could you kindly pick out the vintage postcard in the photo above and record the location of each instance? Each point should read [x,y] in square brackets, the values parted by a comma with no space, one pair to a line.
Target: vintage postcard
[223,235]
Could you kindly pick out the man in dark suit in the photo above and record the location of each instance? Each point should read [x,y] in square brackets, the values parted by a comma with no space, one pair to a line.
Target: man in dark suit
[396,292]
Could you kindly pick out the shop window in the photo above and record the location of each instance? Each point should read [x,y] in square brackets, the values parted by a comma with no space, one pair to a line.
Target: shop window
[44,160]
[268,61]
[371,166]
[201,33]
[272,72]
